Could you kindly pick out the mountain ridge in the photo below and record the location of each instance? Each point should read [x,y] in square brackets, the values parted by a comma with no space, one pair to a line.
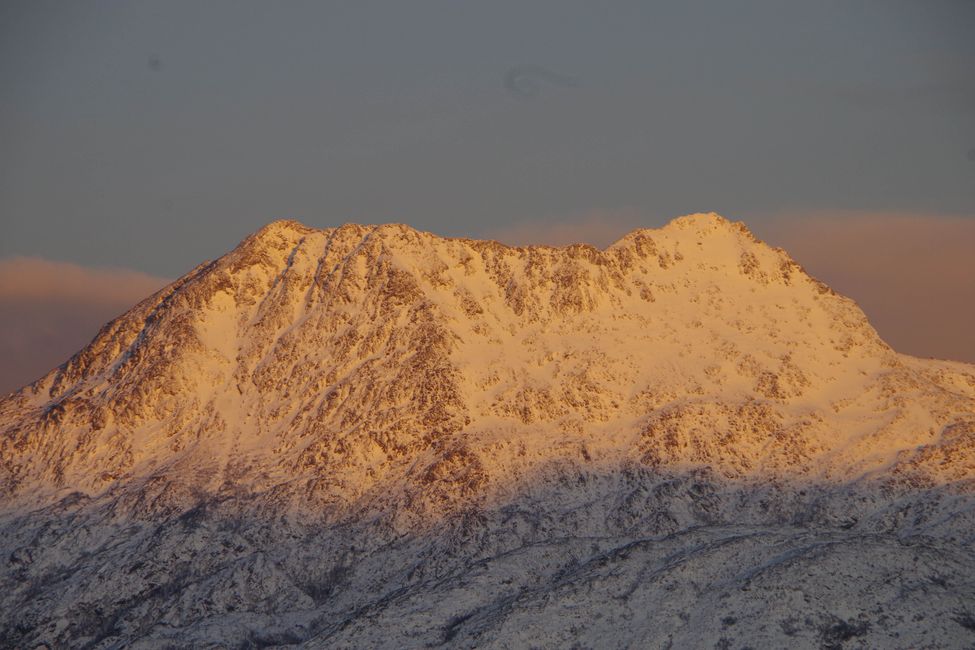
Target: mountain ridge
[387,413]
[572,281]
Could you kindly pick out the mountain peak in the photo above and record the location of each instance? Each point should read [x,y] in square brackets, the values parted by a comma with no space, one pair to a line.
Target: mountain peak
[272,240]
[697,226]
[710,223]
[331,425]
[281,228]
[434,334]
[700,220]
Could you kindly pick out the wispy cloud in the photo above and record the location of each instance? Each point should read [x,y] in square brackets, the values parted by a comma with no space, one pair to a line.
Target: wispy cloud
[526,81]
[913,274]
[49,310]
[598,227]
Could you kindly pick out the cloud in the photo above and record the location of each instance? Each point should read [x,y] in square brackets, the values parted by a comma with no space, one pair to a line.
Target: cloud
[50,310]
[599,228]
[913,274]
[526,81]
[32,278]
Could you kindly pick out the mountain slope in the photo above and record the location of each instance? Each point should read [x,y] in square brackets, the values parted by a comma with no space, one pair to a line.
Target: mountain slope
[369,432]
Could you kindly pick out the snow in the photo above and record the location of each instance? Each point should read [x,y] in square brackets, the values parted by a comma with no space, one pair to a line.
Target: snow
[373,436]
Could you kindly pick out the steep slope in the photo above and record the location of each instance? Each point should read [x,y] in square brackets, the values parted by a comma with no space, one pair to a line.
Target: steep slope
[372,435]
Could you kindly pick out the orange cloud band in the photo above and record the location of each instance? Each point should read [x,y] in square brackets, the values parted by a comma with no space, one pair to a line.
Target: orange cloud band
[913,275]
[32,278]
[50,310]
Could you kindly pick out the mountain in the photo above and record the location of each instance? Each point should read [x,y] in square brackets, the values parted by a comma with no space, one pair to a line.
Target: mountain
[370,436]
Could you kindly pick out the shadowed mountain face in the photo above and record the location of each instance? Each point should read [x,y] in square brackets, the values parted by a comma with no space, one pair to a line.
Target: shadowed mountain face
[372,436]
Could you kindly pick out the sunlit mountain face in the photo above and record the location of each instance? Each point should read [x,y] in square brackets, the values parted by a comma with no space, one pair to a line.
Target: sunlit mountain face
[371,436]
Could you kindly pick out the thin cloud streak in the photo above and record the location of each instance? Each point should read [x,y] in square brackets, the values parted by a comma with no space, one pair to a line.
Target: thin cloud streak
[50,310]
[34,278]
[913,274]
[599,228]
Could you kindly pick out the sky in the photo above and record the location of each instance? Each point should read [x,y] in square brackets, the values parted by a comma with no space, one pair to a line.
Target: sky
[141,138]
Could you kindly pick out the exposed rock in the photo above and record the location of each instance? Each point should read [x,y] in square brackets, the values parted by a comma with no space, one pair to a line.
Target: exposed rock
[370,436]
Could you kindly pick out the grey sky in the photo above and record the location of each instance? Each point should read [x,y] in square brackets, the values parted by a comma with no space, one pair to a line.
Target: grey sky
[155,135]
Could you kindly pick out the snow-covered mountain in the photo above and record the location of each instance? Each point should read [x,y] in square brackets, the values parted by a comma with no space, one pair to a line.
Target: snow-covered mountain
[371,436]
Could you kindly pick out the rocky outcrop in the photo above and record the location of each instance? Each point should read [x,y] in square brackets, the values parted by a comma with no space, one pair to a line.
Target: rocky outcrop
[373,436]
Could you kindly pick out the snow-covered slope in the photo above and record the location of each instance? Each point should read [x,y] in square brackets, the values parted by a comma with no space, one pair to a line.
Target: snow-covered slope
[373,436]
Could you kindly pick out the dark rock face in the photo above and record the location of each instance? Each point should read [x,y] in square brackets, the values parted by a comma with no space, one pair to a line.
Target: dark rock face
[374,437]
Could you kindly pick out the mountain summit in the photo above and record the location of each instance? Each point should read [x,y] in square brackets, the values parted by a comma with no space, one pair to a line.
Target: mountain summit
[371,435]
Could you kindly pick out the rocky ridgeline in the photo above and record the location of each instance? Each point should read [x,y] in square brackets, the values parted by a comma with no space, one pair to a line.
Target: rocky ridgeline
[373,436]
